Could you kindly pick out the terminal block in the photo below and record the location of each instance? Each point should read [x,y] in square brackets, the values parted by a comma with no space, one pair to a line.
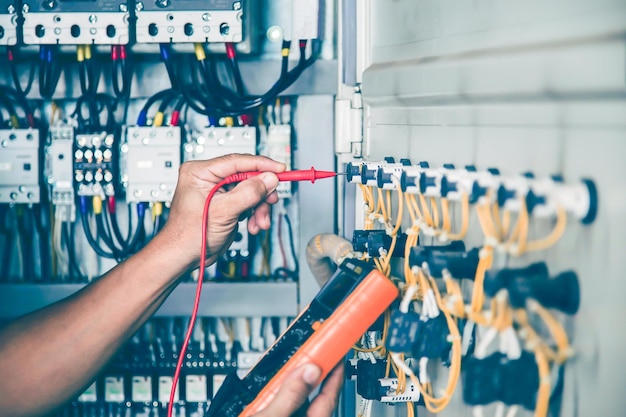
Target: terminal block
[167,21]
[150,161]
[19,166]
[59,170]
[76,22]
[8,22]
[95,164]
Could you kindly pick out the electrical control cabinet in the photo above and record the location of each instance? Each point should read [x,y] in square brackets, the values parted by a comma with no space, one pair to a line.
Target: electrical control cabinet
[166,21]
[8,22]
[150,163]
[19,166]
[76,22]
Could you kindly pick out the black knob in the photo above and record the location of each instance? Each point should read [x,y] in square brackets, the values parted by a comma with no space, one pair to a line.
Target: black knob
[40,31]
[153,29]
[504,195]
[426,182]
[224,29]
[75,31]
[382,178]
[352,171]
[188,29]
[111,31]
[407,180]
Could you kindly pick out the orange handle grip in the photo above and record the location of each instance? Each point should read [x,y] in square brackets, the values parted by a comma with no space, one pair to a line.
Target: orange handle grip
[336,336]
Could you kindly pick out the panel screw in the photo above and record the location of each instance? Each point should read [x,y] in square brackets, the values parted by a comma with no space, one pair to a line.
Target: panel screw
[237,5]
[206,16]
[93,18]
[25,8]
[139,6]
[123,8]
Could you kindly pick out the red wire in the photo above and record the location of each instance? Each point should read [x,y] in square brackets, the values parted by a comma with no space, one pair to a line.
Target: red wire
[194,313]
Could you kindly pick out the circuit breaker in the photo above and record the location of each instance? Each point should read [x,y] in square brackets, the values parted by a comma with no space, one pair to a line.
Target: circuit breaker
[167,21]
[212,142]
[59,170]
[8,22]
[75,22]
[19,166]
[150,162]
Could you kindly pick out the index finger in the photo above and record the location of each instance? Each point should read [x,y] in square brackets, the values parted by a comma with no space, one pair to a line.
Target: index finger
[223,166]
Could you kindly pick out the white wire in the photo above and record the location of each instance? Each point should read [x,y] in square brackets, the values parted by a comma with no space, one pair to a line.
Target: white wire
[477,411]
[407,298]
[485,341]
[512,411]
[499,409]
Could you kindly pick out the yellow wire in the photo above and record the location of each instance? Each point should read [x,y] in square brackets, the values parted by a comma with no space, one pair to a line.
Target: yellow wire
[556,330]
[553,237]
[435,212]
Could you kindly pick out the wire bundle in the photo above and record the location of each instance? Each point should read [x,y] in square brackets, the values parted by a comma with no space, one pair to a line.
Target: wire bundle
[198,79]
[430,217]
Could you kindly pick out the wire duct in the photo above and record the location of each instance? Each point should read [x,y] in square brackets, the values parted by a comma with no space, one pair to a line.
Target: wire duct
[323,252]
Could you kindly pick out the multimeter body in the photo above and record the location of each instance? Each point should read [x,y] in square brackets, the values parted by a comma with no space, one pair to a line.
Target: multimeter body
[346,306]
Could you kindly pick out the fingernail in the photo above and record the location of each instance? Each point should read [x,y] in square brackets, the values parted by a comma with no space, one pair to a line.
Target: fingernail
[270,180]
[311,374]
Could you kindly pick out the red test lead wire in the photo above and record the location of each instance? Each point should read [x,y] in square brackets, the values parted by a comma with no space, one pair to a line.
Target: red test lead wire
[296,175]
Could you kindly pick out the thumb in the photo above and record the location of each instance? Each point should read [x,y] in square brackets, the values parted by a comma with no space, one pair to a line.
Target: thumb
[293,392]
[249,193]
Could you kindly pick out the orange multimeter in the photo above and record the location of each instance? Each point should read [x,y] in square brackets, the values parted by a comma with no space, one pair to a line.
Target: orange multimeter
[348,304]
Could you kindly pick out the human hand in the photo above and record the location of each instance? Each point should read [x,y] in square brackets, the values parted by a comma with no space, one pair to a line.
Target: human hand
[296,388]
[196,179]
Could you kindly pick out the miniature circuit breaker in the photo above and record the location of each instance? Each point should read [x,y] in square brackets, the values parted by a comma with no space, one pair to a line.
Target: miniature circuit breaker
[167,21]
[279,148]
[213,142]
[19,166]
[150,161]
[59,170]
[8,22]
[95,165]
[76,22]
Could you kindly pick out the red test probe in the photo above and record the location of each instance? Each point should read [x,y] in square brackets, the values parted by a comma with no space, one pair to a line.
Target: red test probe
[296,175]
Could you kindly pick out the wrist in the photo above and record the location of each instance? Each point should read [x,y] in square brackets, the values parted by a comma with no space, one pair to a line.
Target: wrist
[170,250]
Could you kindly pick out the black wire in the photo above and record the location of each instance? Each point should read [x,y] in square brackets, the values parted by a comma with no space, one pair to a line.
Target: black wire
[121,70]
[26,229]
[9,241]
[117,232]
[67,234]
[42,225]
[102,226]
[91,240]
[285,272]
[137,241]
[16,78]
[201,99]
